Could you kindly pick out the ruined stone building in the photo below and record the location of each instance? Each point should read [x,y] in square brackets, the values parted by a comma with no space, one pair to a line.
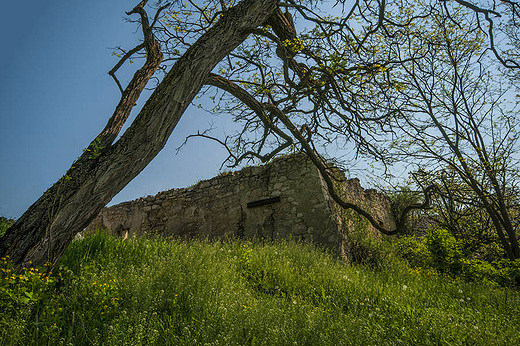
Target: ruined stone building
[286,198]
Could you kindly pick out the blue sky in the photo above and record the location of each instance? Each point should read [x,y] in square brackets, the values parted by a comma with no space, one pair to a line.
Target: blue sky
[56,95]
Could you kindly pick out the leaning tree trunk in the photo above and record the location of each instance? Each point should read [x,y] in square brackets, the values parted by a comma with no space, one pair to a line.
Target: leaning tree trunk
[44,231]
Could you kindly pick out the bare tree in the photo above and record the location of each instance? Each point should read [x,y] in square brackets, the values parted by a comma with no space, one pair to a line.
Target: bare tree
[457,123]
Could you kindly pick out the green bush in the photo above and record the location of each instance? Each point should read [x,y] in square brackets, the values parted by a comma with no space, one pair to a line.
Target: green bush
[413,250]
[445,251]
[361,246]
[21,294]
[367,250]
[501,273]
[438,250]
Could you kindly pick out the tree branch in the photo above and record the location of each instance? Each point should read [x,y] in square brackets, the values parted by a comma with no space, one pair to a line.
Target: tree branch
[330,185]
[260,110]
[141,77]
[125,57]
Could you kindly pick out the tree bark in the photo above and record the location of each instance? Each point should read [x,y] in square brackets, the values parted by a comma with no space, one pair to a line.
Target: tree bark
[45,230]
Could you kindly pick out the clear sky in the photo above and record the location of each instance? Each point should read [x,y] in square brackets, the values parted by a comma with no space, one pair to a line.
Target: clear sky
[56,95]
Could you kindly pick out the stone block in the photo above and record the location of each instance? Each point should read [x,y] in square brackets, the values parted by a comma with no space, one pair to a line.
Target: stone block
[204,184]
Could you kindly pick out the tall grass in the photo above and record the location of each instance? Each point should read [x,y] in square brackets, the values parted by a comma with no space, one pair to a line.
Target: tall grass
[155,291]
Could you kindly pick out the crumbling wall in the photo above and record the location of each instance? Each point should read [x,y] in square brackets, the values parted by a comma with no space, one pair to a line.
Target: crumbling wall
[286,198]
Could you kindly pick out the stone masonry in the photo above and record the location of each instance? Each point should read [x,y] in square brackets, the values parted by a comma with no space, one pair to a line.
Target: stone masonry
[286,198]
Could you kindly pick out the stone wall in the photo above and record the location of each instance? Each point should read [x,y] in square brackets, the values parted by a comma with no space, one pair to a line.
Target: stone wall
[286,198]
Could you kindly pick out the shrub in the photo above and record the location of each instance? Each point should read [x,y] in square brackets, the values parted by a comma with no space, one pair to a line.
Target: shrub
[501,273]
[367,250]
[438,250]
[413,250]
[445,251]
[361,246]
[21,293]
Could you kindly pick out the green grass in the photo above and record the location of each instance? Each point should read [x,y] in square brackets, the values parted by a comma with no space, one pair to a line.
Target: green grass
[170,292]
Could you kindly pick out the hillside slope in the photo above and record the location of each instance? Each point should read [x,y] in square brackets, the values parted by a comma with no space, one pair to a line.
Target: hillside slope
[169,292]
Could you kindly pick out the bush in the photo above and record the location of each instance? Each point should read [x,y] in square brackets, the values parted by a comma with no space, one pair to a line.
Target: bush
[438,250]
[361,246]
[501,273]
[367,250]
[445,251]
[413,250]
[22,293]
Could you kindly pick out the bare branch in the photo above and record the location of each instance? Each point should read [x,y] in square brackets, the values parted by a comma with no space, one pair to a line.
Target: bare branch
[125,57]
[131,93]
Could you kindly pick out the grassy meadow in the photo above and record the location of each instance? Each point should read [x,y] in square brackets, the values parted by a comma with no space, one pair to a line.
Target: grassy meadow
[157,291]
